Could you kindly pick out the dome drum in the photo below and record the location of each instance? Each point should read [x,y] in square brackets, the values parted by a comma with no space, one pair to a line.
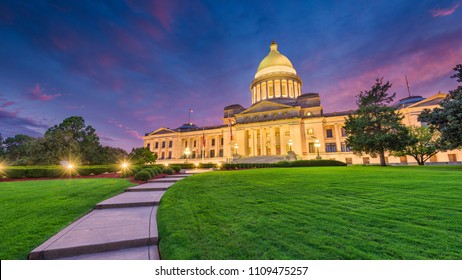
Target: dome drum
[275,78]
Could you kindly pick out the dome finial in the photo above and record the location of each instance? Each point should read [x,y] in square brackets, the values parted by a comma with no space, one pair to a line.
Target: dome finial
[273,46]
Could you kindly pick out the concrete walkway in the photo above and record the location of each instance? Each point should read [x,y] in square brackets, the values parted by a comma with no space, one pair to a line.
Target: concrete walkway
[123,227]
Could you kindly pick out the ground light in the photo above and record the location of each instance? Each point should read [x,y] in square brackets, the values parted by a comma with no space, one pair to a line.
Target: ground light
[70,168]
[196,164]
[125,166]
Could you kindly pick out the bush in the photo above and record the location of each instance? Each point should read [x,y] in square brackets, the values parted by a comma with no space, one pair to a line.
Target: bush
[153,171]
[316,162]
[96,169]
[167,170]
[35,172]
[176,168]
[143,175]
[283,164]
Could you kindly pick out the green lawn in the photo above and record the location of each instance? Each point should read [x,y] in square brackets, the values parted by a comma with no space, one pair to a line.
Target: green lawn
[315,213]
[33,211]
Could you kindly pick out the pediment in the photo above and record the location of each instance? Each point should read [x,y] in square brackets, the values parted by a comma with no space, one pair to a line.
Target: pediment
[162,130]
[264,106]
[430,101]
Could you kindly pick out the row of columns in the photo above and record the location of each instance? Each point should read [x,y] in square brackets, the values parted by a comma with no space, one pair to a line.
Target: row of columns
[267,89]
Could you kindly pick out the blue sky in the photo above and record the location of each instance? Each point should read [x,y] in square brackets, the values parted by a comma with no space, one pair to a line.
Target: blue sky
[130,67]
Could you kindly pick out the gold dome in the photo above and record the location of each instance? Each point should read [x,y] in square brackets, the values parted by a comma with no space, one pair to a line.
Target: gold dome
[274,58]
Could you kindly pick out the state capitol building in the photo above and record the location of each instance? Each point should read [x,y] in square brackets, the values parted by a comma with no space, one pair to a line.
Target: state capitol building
[281,121]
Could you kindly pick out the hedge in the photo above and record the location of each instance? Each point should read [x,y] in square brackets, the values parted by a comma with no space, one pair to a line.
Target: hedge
[143,175]
[297,163]
[16,172]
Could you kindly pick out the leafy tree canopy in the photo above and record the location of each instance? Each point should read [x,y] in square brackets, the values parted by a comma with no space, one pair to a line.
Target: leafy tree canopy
[142,155]
[376,127]
[423,144]
[447,118]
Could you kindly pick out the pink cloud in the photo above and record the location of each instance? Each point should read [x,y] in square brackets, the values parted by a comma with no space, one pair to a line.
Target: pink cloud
[130,131]
[444,12]
[163,12]
[422,69]
[38,93]
[7,103]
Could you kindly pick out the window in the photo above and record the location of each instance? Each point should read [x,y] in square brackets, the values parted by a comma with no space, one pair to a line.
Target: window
[148,146]
[310,131]
[156,145]
[163,144]
[344,132]
[222,141]
[193,154]
[344,147]
[452,157]
[195,143]
[331,148]
[213,142]
[403,159]
[329,133]
[170,143]
[163,155]
[212,153]
[366,160]
[349,160]
[186,144]
[311,148]
[220,152]
[170,155]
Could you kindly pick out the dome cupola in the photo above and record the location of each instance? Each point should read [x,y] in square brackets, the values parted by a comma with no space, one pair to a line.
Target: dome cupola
[276,78]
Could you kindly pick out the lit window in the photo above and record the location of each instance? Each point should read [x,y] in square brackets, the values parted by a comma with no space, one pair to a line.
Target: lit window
[329,133]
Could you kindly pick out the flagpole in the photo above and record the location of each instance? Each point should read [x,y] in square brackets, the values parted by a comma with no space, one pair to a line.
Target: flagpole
[408,89]
[203,141]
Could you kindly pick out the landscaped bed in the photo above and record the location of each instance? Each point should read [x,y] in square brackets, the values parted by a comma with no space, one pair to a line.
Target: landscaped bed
[33,211]
[315,213]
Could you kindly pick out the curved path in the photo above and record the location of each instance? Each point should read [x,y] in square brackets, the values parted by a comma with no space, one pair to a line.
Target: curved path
[123,227]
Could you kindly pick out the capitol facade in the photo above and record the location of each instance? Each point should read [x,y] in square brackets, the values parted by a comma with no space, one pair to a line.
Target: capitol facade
[281,124]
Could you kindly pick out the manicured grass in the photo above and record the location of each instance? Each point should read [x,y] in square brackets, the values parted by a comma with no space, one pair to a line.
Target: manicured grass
[33,211]
[315,213]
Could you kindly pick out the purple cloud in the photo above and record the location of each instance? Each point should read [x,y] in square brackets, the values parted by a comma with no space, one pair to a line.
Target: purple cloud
[38,93]
[444,12]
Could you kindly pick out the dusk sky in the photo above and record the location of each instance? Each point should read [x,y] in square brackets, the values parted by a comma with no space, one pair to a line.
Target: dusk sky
[130,67]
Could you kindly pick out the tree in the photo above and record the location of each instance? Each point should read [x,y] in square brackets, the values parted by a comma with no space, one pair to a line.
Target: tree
[109,154]
[17,149]
[447,118]
[423,144]
[142,155]
[72,140]
[2,151]
[376,127]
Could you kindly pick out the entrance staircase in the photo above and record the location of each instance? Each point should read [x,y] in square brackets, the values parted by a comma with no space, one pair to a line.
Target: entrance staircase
[260,159]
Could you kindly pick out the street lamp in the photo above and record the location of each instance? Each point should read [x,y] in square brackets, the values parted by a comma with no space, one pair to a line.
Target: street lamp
[317,145]
[235,148]
[290,144]
[187,152]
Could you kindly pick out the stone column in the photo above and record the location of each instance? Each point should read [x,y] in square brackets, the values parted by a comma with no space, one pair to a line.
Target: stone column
[273,141]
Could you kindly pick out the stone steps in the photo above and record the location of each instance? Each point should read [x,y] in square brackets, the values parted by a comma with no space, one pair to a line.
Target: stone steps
[123,227]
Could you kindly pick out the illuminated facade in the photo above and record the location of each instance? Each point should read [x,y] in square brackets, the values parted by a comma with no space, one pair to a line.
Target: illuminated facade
[280,119]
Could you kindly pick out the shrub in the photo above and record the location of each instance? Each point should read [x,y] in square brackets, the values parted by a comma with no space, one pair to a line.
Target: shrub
[35,172]
[157,168]
[153,171]
[176,168]
[96,169]
[167,170]
[283,164]
[143,175]
[315,162]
